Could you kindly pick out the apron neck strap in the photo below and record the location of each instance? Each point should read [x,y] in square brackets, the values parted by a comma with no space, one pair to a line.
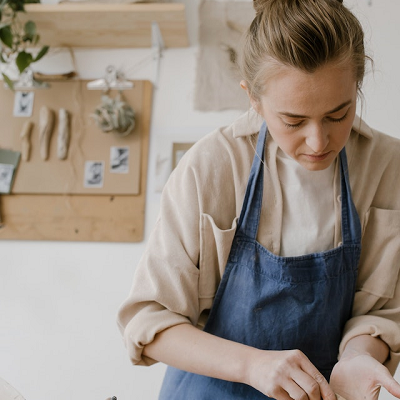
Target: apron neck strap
[351,226]
[251,209]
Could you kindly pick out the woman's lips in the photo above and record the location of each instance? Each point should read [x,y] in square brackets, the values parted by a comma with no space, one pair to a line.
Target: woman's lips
[317,157]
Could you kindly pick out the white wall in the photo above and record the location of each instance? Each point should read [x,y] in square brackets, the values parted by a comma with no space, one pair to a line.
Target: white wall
[58,300]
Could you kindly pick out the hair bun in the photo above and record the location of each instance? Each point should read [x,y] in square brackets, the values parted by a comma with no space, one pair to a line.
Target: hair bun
[259,6]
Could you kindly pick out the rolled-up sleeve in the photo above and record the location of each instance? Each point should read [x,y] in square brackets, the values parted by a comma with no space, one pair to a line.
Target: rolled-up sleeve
[376,310]
[382,323]
[165,286]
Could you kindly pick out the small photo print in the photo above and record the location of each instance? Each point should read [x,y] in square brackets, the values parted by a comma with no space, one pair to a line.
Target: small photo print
[94,174]
[178,151]
[119,160]
[6,175]
[23,104]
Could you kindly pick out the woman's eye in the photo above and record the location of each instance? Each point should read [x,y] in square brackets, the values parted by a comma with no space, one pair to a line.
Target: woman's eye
[330,119]
[338,119]
[293,125]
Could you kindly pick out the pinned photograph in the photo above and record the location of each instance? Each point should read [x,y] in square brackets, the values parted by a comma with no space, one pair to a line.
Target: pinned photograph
[23,104]
[94,174]
[178,151]
[6,175]
[119,160]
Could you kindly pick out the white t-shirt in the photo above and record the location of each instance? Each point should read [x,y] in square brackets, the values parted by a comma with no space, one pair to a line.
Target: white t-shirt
[308,224]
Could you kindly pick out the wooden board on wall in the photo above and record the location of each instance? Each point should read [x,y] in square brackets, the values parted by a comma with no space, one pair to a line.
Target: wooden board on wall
[87,143]
[97,25]
[101,217]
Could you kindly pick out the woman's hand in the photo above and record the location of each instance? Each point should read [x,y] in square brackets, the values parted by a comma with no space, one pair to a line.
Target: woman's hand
[288,374]
[361,377]
[360,374]
[282,375]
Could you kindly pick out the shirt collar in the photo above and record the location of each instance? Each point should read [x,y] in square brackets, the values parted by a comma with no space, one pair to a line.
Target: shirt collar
[250,122]
[247,124]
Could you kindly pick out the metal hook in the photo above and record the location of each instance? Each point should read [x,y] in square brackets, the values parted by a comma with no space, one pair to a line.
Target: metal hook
[113,79]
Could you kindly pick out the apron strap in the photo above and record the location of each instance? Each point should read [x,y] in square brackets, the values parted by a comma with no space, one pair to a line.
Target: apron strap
[251,208]
[351,226]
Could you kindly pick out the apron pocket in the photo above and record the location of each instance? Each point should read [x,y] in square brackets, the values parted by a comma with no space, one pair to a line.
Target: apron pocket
[380,253]
[215,245]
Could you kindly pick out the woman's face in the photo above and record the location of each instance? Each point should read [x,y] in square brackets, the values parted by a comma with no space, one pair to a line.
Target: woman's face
[310,115]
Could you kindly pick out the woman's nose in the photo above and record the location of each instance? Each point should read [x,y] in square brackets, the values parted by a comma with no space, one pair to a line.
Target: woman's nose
[317,138]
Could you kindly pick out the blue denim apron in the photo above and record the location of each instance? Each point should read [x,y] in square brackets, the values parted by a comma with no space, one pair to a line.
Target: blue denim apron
[277,303]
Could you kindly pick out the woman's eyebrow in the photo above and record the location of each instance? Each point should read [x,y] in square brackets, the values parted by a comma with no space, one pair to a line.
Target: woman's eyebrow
[338,108]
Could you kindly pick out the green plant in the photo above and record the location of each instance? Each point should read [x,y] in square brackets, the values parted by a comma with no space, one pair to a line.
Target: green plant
[16,37]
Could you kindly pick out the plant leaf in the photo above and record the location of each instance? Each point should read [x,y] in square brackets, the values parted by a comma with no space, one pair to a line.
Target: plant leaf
[8,81]
[30,31]
[41,53]
[23,60]
[6,36]
[16,5]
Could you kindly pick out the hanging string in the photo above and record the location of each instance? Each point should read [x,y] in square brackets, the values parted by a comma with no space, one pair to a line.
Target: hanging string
[138,65]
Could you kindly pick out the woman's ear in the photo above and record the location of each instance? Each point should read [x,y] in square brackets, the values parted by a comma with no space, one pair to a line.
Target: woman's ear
[254,103]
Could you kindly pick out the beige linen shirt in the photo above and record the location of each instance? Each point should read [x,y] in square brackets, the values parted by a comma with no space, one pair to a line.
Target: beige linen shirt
[180,270]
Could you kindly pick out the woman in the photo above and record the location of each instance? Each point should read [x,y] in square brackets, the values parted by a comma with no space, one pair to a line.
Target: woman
[278,236]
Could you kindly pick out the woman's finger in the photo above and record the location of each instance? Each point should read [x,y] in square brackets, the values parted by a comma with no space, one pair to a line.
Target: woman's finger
[325,390]
[297,392]
[281,395]
[390,384]
[308,385]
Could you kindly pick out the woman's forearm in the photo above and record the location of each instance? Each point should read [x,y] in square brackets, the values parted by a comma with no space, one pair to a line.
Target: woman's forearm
[368,345]
[190,349]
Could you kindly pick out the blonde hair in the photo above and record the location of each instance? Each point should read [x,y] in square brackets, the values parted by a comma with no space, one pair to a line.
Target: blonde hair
[305,34]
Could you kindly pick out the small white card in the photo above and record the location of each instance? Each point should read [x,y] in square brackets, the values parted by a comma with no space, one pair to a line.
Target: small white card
[119,160]
[23,104]
[94,174]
